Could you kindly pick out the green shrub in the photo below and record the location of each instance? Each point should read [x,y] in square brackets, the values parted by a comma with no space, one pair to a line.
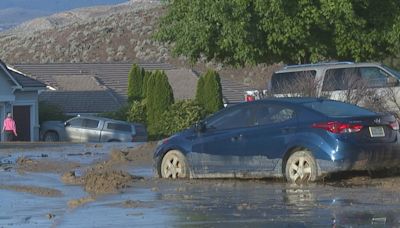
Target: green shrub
[135,83]
[179,116]
[120,114]
[147,75]
[137,112]
[50,112]
[209,92]
[159,98]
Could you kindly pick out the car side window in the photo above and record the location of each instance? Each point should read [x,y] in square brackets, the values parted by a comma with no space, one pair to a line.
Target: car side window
[234,118]
[374,76]
[119,127]
[89,123]
[340,79]
[75,122]
[273,114]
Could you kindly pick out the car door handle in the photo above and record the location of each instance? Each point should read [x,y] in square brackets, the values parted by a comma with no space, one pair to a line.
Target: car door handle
[237,138]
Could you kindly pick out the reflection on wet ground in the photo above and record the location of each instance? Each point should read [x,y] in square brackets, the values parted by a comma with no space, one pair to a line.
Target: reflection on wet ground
[189,203]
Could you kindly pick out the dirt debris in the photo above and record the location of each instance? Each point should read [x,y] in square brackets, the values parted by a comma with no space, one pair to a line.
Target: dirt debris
[25,164]
[35,190]
[141,155]
[71,178]
[102,181]
[78,202]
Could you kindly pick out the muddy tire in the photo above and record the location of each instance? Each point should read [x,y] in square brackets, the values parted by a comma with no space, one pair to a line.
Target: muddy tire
[51,137]
[174,165]
[301,168]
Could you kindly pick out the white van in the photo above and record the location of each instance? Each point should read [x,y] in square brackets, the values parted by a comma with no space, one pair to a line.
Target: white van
[371,85]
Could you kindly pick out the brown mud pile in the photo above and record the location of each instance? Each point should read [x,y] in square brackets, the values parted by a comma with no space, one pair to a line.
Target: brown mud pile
[44,165]
[40,191]
[141,155]
[101,181]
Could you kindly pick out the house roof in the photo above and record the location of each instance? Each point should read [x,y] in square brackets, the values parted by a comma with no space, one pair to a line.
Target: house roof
[81,101]
[20,79]
[114,77]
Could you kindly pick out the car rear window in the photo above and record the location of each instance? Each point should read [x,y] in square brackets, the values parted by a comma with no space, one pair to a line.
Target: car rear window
[336,109]
[119,127]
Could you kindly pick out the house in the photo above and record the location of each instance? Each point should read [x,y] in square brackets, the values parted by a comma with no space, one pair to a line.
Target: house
[88,88]
[19,95]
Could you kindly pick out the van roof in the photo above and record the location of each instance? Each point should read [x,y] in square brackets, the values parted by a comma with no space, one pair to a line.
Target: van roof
[330,65]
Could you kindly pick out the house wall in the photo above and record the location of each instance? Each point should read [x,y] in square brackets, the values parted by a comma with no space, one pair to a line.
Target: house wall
[6,91]
[30,99]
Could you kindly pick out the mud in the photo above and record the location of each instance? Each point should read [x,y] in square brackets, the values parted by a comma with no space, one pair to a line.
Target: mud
[44,165]
[58,186]
[40,191]
[79,202]
[100,181]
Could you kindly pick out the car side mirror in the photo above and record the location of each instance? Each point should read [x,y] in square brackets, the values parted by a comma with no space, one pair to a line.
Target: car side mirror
[200,126]
[66,124]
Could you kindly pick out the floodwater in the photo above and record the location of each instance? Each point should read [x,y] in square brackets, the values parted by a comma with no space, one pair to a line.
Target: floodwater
[152,202]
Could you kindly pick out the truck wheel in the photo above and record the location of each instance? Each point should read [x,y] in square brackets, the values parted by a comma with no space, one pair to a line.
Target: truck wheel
[51,136]
[301,167]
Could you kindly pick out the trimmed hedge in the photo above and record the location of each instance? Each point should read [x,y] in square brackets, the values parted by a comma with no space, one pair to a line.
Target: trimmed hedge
[135,83]
[209,92]
[159,97]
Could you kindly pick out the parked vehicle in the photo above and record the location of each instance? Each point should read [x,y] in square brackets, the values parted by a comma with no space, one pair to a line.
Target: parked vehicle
[358,83]
[301,139]
[93,129]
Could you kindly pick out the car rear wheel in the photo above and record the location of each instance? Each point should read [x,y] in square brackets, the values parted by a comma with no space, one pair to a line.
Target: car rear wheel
[301,167]
[174,165]
[51,137]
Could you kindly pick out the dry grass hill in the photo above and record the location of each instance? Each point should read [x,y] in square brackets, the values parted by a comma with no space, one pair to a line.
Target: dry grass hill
[119,33]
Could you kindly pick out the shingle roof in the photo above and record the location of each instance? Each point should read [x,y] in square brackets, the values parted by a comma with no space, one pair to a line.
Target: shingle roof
[114,76]
[81,101]
[22,80]
[26,82]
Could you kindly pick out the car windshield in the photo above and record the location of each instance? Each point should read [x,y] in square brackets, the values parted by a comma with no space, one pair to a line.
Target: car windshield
[397,74]
[336,108]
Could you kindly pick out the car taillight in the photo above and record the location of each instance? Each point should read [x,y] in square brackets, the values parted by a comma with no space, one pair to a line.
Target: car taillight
[338,127]
[394,125]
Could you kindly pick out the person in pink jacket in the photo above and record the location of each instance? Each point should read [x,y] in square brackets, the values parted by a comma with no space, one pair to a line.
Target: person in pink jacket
[9,128]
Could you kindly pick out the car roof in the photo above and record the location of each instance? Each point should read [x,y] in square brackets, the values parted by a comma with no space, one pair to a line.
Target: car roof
[288,100]
[333,65]
[103,119]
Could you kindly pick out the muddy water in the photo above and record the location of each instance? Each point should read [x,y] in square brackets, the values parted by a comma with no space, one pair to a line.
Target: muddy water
[192,203]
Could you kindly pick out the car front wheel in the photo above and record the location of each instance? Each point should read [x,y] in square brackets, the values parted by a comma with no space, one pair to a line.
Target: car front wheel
[301,167]
[174,165]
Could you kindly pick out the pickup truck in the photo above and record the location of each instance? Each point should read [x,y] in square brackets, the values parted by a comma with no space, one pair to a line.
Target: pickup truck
[92,129]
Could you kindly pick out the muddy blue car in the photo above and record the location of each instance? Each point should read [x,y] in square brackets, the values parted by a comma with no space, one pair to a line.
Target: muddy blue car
[300,139]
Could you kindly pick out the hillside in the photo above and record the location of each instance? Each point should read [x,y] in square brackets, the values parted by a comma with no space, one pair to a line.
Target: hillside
[118,33]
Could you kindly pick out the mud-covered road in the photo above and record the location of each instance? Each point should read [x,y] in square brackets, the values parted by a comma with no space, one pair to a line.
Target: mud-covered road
[112,185]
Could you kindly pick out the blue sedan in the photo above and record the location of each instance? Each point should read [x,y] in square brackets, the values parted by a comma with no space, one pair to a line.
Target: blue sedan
[300,139]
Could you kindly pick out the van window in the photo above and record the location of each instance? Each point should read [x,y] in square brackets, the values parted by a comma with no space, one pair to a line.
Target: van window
[119,127]
[291,82]
[340,79]
[374,77]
